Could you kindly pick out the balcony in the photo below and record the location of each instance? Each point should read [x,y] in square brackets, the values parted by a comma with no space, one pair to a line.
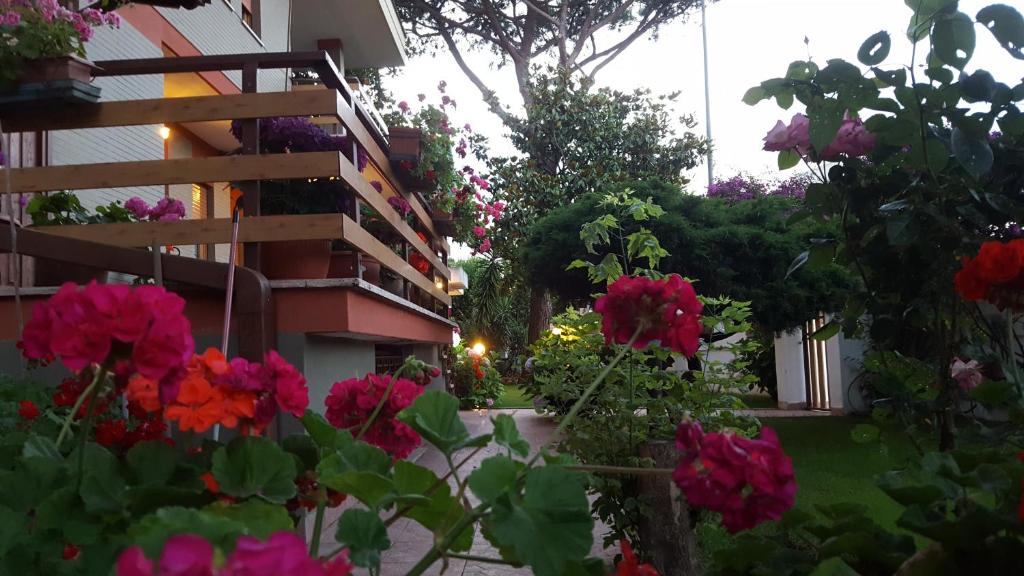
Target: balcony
[414,309]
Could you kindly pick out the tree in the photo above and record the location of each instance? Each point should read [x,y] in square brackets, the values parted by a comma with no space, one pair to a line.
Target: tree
[741,250]
[522,35]
[491,309]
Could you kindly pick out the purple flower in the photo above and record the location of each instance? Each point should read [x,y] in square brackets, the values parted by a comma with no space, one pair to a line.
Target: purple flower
[298,134]
[138,207]
[403,106]
[377,185]
[10,19]
[995,136]
[167,210]
[401,205]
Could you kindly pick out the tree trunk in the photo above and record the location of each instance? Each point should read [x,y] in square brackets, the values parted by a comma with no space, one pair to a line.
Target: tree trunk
[666,535]
[540,313]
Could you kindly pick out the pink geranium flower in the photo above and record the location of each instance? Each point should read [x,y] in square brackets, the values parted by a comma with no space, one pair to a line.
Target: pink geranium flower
[351,401]
[288,384]
[666,310]
[479,231]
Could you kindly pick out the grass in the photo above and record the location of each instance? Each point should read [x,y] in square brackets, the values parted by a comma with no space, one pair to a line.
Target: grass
[832,468]
[758,401]
[514,397]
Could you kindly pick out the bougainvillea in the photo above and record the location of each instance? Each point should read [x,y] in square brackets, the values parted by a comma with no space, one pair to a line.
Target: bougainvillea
[994,275]
[351,402]
[284,553]
[747,481]
[666,310]
[852,140]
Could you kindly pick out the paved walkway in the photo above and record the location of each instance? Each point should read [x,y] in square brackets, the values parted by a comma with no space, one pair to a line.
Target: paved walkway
[410,541]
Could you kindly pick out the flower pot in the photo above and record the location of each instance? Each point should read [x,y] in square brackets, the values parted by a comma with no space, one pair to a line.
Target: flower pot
[49,70]
[343,265]
[296,259]
[371,269]
[405,144]
[392,283]
[54,273]
[444,222]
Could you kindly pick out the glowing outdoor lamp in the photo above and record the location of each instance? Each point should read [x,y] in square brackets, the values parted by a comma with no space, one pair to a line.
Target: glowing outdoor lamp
[165,132]
[479,349]
[556,331]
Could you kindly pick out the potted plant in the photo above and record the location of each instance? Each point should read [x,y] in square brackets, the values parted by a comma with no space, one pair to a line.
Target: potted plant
[300,259]
[65,209]
[42,48]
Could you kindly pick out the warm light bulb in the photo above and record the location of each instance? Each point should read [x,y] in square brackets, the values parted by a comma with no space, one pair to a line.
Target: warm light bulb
[479,348]
[165,132]
[556,331]
[439,284]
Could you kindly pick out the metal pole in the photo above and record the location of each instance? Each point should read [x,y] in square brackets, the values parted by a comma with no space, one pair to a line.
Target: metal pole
[707,91]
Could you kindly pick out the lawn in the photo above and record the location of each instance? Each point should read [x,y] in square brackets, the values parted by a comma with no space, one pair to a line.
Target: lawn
[514,397]
[831,468]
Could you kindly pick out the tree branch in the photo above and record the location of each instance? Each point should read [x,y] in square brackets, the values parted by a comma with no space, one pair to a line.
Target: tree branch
[616,49]
[489,96]
[541,12]
[589,32]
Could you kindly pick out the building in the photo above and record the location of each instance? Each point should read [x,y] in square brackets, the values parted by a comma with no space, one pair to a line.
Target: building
[173,81]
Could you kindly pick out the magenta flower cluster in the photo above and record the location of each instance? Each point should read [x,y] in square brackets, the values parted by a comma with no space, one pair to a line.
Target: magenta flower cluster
[740,187]
[165,210]
[283,554]
[747,481]
[298,134]
[400,205]
[14,13]
[852,140]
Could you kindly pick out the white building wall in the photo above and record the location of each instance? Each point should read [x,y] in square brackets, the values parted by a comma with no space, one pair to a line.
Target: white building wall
[789,369]
[115,144]
[217,28]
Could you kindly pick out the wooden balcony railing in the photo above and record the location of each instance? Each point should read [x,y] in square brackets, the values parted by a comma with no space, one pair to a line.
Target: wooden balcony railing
[334,103]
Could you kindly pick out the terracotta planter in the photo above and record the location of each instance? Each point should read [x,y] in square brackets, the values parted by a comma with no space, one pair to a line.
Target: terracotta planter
[50,70]
[54,273]
[444,222]
[405,144]
[296,259]
[343,265]
[371,269]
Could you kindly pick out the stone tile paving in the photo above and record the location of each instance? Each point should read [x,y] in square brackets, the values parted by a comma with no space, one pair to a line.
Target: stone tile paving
[410,540]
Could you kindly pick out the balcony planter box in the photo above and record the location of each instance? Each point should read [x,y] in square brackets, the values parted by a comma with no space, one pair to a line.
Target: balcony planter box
[405,155]
[66,78]
[343,265]
[444,222]
[371,269]
[296,259]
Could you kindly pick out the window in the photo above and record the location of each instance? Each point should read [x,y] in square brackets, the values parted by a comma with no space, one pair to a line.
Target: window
[251,16]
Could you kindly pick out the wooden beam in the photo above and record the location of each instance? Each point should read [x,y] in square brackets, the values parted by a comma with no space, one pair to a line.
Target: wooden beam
[206,231]
[364,241]
[369,194]
[176,171]
[178,110]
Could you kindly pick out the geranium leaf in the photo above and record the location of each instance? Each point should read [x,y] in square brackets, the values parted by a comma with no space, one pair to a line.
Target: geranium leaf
[152,463]
[493,477]
[365,535]
[261,519]
[435,416]
[551,527]
[441,510]
[304,448]
[102,487]
[506,434]
[254,466]
[327,437]
[834,567]
[153,530]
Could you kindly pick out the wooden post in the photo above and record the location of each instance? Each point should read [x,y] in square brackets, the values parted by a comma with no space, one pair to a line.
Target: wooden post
[666,534]
[251,145]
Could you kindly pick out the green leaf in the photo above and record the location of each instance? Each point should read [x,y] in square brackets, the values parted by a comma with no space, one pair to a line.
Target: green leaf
[788,159]
[304,448]
[261,519]
[255,466]
[153,530]
[953,39]
[40,447]
[102,489]
[821,254]
[830,329]
[435,416]
[326,436]
[891,78]
[360,470]
[551,527]
[826,119]
[864,433]
[365,535]
[978,86]
[875,49]
[506,434]
[10,528]
[834,567]
[995,393]
[152,463]
[495,476]
[900,230]
[441,512]
[754,95]
[1007,25]
[974,154]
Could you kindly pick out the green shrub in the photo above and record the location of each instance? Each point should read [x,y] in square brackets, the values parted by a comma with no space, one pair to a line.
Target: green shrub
[477,381]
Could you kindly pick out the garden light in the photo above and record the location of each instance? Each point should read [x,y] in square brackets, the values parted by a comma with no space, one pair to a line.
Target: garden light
[479,349]
[165,132]
[556,331]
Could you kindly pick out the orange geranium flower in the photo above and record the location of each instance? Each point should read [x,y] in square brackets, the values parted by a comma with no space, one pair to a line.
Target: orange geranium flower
[144,392]
[214,362]
[237,404]
[199,405]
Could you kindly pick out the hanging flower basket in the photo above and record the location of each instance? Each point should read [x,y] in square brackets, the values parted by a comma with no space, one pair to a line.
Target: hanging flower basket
[66,78]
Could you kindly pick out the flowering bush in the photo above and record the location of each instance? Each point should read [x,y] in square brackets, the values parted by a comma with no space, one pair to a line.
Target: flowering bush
[852,139]
[475,380]
[994,275]
[64,208]
[34,29]
[739,188]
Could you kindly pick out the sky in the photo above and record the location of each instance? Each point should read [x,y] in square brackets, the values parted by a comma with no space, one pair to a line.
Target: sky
[748,41]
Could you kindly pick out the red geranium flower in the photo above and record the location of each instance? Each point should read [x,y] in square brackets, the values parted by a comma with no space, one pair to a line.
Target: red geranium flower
[666,310]
[28,410]
[351,402]
[630,564]
[995,274]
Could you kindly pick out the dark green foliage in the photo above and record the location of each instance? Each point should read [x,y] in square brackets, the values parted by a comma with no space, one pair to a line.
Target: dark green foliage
[741,250]
[493,308]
